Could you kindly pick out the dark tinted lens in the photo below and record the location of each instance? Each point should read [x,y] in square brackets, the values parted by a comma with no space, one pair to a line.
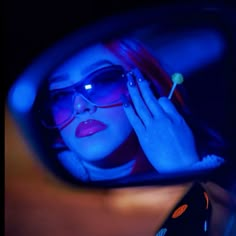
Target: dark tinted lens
[103,87]
[59,108]
[106,87]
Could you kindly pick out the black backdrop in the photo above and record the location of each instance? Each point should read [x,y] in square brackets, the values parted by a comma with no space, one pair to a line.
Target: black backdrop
[31,26]
[28,27]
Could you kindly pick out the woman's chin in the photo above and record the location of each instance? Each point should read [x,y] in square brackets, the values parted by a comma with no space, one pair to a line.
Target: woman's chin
[95,153]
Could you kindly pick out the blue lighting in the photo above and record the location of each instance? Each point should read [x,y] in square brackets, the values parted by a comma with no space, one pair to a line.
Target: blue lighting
[22,96]
[205,226]
[191,51]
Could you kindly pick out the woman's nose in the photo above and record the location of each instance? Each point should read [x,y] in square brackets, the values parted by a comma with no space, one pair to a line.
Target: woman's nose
[82,105]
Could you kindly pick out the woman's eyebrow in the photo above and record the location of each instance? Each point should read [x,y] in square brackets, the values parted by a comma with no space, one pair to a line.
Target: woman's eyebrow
[90,68]
[96,65]
[58,78]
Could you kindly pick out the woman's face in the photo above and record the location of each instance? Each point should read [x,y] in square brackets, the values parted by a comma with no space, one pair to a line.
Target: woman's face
[94,132]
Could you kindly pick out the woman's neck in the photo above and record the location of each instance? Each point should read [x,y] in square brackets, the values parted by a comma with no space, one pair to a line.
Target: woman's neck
[128,151]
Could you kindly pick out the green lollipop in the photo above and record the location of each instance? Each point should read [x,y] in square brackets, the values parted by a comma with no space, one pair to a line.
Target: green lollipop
[176,78]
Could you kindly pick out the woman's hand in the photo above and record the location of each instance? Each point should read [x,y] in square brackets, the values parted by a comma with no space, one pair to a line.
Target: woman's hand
[163,134]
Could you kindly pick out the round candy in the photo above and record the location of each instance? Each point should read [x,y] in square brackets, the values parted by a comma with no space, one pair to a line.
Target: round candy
[177,78]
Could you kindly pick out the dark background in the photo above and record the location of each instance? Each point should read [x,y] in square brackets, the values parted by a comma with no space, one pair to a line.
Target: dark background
[31,26]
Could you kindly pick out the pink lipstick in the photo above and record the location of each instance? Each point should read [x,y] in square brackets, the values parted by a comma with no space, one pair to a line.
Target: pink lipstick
[89,127]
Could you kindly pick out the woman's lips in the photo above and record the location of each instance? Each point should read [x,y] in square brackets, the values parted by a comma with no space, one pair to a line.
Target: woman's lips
[89,127]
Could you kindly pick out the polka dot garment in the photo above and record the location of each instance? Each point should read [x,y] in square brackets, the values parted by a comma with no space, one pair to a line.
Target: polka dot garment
[190,217]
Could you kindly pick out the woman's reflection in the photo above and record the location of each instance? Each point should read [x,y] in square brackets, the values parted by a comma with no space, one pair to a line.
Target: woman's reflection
[109,104]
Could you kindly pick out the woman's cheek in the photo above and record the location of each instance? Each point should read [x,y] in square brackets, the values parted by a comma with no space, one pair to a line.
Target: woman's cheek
[116,117]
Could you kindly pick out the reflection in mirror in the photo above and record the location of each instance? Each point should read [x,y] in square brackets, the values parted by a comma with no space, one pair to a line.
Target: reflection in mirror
[119,110]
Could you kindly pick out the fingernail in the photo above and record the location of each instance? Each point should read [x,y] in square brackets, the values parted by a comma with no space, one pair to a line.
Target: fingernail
[138,75]
[131,80]
[124,100]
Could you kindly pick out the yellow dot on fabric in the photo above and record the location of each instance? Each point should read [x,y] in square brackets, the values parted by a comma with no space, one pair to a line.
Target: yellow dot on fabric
[179,211]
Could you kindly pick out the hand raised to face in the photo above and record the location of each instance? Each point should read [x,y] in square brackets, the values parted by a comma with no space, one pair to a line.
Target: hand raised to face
[164,136]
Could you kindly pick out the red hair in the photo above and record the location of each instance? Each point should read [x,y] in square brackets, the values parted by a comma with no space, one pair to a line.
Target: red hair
[134,54]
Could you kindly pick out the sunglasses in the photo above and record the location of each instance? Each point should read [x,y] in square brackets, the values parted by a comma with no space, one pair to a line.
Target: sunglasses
[103,88]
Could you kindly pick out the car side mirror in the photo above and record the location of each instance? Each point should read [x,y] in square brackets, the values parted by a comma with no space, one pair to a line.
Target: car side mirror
[114,140]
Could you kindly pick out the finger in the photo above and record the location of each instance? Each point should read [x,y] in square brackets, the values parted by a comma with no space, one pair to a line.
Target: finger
[148,96]
[169,108]
[132,116]
[138,102]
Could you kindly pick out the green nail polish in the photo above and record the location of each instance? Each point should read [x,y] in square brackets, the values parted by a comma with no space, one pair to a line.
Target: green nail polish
[138,75]
[131,80]
[140,79]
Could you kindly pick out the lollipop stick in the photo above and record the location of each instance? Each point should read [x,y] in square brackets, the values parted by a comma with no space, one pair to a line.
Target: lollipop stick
[176,78]
[172,91]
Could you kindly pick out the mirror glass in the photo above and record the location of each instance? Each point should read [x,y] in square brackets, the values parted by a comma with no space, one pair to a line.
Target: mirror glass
[130,101]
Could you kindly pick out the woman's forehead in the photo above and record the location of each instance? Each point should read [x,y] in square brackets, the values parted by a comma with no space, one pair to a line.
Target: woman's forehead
[87,60]
[82,64]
